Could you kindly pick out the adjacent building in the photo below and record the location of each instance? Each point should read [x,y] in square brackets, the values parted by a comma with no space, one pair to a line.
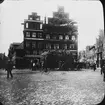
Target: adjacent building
[33,36]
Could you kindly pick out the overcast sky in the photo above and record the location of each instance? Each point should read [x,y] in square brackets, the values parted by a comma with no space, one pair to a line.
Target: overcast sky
[87,14]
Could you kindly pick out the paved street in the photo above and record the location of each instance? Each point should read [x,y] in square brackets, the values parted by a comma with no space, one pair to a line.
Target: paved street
[54,88]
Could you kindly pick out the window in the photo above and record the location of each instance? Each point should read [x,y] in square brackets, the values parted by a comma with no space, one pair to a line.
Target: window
[27,34]
[67,37]
[47,36]
[27,44]
[26,25]
[27,52]
[31,18]
[39,45]
[40,26]
[40,52]
[60,37]
[48,46]
[37,26]
[54,37]
[56,46]
[33,45]
[70,46]
[65,46]
[34,52]
[34,34]
[73,38]
[38,18]
[39,35]
[73,46]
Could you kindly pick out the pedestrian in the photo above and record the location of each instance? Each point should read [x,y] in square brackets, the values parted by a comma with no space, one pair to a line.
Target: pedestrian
[94,66]
[101,64]
[103,70]
[9,68]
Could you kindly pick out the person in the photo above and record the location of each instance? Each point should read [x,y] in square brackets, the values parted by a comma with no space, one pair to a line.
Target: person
[9,68]
[94,66]
[101,64]
[103,70]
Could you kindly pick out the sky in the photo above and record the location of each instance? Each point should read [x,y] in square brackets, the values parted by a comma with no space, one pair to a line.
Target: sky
[87,14]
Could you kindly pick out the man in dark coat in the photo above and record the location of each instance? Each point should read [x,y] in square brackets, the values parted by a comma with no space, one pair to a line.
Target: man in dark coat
[103,70]
[9,68]
[94,66]
[101,64]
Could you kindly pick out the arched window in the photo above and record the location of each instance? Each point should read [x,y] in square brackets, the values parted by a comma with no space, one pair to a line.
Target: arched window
[67,37]
[73,38]
[60,37]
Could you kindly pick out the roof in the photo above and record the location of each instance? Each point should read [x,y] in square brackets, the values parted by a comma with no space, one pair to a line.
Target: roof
[14,45]
[21,46]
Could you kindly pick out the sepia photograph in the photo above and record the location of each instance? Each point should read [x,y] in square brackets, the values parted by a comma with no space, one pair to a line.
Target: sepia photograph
[52,52]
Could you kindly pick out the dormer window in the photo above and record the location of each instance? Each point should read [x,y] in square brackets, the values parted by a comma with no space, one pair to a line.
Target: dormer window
[34,34]
[47,36]
[67,37]
[60,37]
[27,34]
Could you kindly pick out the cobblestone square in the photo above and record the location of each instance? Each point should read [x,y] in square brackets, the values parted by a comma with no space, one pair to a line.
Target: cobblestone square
[54,88]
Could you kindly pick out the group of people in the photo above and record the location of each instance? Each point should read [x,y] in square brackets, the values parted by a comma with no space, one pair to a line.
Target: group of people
[48,63]
[36,64]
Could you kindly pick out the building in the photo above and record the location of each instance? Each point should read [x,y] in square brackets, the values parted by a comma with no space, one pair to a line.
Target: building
[57,33]
[16,54]
[33,37]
